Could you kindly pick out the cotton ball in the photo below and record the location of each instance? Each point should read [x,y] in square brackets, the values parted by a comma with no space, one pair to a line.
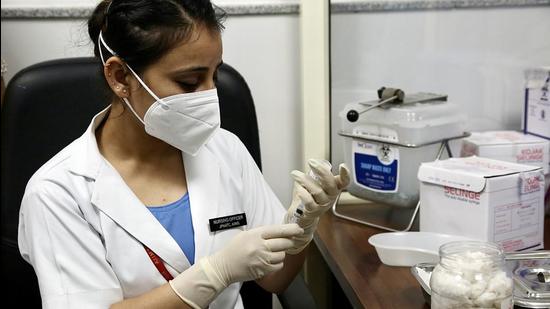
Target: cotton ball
[499,287]
[478,286]
[471,263]
[501,284]
[486,299]
[450,285]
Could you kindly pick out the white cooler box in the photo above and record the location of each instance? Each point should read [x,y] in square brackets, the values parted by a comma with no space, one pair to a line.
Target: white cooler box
[484,199]
[511,146]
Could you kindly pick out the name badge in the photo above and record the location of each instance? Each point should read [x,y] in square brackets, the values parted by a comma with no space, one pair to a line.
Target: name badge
[227,222]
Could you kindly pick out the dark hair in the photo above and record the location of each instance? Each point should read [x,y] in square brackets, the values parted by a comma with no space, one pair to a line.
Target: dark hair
[142,31]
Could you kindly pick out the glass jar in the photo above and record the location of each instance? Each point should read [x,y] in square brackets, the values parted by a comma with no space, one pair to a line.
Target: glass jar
[471,274]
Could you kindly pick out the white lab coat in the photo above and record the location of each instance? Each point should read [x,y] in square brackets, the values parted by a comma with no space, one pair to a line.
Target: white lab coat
[83,229]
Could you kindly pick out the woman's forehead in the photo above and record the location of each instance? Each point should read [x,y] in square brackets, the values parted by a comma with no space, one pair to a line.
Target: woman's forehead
[203,48]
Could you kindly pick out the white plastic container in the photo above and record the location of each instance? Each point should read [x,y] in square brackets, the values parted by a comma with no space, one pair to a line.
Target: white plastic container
[387,173]
[410,248]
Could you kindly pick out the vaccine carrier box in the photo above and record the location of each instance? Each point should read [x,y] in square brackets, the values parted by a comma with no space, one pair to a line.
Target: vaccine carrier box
[510,146]
[484,199]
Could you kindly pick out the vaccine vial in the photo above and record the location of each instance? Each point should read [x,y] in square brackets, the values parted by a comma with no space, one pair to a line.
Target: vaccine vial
[297,215]
[315,177]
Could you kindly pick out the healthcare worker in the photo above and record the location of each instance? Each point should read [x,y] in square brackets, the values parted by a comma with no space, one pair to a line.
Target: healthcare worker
[155,206]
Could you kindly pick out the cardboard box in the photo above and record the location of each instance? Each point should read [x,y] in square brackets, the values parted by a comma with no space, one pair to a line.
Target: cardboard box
[510,146]
[484,199]
[536,112]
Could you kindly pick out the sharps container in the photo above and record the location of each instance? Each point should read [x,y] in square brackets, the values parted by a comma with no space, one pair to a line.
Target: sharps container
[384,146]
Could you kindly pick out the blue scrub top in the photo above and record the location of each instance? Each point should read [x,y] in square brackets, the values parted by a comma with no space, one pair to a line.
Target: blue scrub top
[176,219]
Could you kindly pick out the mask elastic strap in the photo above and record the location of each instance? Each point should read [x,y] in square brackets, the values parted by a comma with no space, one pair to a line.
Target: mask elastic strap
[133,111]
[101,41]
[145,86]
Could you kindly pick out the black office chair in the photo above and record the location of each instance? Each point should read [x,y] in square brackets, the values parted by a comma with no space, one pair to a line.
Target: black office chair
[48,105]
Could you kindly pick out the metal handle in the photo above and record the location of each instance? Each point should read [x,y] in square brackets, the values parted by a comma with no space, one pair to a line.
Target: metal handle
[535,255]
[353,115]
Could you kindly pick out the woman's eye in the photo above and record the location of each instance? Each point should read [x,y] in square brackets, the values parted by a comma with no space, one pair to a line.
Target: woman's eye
[188,85]
[185,84]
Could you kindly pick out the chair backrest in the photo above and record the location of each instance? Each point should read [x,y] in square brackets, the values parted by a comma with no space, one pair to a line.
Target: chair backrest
[48,105]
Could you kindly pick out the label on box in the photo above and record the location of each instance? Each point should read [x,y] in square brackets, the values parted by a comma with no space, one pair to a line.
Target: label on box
[465,196]
[537,110]
[530,182]
[376,166]
[384,134]
[530,154]
[514,219]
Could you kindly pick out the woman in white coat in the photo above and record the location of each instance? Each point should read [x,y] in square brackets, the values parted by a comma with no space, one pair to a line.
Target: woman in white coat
[155,206]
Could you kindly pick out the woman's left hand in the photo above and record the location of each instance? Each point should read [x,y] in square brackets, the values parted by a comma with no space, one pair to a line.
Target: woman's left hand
[314,197]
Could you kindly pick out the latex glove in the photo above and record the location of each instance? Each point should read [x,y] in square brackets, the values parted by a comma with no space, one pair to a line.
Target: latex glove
[314,197]
[248,256]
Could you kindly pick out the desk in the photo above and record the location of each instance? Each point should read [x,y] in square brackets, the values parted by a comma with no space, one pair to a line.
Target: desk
[364,279]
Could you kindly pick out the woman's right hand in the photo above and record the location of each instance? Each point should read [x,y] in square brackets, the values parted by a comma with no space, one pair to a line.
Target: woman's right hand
[249,255]
[252,254]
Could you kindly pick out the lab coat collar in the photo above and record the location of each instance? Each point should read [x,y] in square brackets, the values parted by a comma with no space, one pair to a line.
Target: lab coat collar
[87,160]
[203,183]
[115,199]
[112,196]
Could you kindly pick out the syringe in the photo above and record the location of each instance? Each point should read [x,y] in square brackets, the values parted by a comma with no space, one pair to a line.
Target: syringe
[298,214]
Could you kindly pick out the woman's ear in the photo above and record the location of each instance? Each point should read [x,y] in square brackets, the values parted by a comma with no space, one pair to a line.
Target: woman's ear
[115,73]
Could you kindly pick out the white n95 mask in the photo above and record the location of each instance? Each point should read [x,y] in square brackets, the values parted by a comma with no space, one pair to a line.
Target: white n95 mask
[186,121]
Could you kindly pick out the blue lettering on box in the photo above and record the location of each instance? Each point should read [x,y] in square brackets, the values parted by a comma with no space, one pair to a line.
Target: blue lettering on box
[372,173]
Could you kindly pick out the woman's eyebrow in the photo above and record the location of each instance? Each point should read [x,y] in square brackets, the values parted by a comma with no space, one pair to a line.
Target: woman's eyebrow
[190,70]
[194,69]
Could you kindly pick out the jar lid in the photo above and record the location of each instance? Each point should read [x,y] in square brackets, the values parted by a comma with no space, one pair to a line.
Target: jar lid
[532,288]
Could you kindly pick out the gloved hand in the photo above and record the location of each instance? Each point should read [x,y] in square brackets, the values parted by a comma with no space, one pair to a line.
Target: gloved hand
[313,198]
[250,255]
